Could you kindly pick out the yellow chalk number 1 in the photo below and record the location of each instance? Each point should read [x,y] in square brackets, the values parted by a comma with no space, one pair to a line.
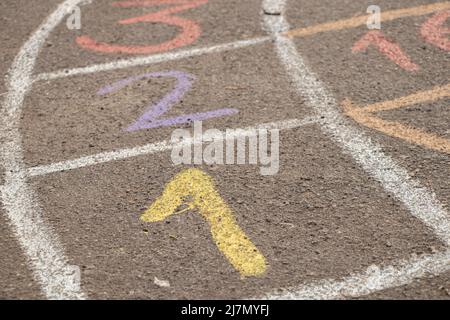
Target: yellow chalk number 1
[203,197]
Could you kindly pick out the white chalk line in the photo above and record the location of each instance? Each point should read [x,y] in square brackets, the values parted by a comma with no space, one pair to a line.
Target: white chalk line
[421,202]
[151,59]
[374,279]
[40,244]
[151,148]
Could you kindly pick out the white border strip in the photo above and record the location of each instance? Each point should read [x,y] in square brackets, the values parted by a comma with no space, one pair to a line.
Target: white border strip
[149,149]
[152,59]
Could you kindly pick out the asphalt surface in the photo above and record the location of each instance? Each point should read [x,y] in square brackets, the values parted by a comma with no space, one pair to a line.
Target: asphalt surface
[323,218]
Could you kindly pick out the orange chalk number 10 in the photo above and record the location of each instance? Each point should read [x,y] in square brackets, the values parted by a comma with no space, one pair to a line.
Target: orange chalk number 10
[433,31]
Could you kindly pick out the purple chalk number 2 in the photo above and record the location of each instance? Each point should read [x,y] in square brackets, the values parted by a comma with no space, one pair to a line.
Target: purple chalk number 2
[152,116]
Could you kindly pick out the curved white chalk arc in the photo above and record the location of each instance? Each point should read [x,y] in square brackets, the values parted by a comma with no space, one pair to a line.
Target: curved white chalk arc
[58,280]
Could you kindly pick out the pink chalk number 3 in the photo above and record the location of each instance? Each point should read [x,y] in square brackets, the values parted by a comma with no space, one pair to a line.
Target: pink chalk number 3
[189,30]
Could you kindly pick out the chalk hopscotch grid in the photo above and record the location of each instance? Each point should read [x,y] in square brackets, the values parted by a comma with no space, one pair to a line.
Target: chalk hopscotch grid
[188,53]
[374,279]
